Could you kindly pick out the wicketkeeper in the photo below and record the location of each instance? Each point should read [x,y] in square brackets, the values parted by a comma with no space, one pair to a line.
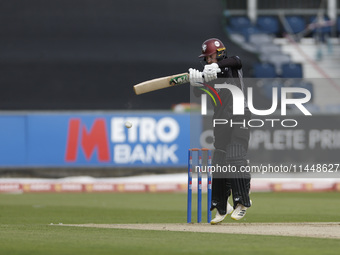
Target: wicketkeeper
[230,142]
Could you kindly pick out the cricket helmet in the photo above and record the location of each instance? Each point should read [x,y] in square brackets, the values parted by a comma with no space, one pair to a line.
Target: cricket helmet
[211,46]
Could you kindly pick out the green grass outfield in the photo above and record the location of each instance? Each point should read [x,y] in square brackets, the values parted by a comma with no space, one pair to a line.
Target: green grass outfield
[25,224]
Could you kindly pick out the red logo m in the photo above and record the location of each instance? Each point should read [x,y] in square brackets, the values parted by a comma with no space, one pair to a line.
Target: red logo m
[96,138]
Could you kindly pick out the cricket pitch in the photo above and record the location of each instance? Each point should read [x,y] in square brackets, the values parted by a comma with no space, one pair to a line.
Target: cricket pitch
[303,229]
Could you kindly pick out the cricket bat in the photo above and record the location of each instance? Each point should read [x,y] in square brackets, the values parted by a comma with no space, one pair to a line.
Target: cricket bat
[161,83]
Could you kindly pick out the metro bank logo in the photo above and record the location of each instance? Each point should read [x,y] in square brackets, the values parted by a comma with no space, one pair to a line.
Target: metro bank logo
[96,138]
[150,140]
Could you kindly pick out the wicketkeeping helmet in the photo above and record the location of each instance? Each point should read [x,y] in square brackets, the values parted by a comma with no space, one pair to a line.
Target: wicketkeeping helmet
[212,46]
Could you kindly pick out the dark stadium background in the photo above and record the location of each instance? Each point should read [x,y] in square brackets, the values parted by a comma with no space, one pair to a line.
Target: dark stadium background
[87,55]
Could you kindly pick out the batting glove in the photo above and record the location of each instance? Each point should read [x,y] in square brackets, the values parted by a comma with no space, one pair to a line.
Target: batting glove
[196,78]
[210,72]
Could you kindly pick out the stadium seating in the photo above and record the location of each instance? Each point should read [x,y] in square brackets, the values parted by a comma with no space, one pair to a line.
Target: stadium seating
[260,38]
[249,32]
[321,31]
[291,70]
[268,24]
[267,49]
[242,25]
[278,59]
[238,23]
[264,70]
[296,24]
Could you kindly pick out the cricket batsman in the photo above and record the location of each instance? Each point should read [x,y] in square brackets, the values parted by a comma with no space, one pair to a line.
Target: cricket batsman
[230,142]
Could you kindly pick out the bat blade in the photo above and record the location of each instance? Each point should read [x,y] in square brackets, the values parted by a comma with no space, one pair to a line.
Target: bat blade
[161,83]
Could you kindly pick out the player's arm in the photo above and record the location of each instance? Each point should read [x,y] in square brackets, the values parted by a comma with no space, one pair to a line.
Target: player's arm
[231,62]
